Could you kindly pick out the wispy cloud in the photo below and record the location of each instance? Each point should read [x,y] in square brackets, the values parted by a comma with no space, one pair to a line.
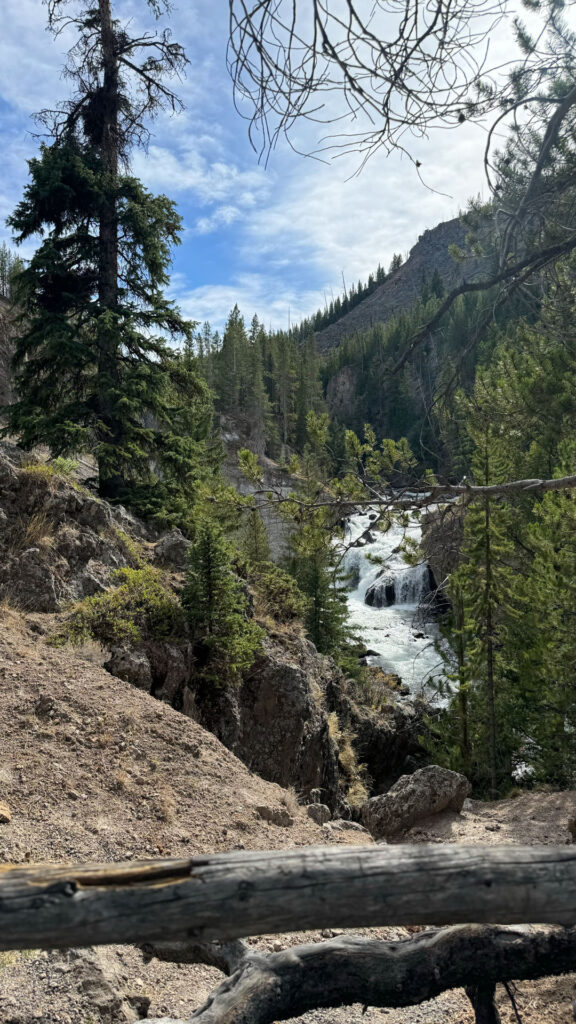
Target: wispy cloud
[275,304]
[275,240]
[191,168]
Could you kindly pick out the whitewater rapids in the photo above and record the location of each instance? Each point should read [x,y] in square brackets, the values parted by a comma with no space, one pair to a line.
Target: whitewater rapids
[403,640]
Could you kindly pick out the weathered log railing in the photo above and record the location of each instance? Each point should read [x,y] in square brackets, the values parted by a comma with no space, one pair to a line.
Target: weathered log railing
[186,909]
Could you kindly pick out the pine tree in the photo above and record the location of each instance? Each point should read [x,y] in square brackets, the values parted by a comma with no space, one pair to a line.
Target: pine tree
[255,543]
[231,368]
[217,607]
[485,605]
[315,562]
[90,364]
[546,639]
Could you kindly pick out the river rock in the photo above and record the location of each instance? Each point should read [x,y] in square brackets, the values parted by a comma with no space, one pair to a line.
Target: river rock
[5,813]
[381,593]
[413,798]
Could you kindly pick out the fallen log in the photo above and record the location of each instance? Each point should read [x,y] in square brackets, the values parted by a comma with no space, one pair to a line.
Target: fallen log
[232,895]
[350,970]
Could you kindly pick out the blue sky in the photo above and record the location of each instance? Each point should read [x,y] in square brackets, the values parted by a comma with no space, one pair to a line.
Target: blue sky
[275,239]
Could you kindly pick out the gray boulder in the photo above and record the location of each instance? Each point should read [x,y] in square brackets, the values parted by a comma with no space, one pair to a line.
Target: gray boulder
[30,583]
[172,549]
[414,797]
[319,813]
[276,816]
[132,666]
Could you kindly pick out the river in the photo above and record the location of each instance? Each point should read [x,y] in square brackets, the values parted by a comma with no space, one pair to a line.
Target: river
[403,639]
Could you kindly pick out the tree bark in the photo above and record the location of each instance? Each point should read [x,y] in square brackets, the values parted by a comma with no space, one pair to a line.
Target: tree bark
[482,999]
[228,896]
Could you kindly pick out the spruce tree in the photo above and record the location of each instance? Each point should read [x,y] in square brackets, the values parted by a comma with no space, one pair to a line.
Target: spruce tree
[91,360]
[255,543]
[218,611]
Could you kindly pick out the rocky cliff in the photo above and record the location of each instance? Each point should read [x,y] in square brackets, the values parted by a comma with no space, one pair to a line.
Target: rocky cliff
[402,288]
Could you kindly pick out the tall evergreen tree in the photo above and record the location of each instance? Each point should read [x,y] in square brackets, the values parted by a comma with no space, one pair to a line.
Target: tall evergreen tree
[89,364]
[10,265]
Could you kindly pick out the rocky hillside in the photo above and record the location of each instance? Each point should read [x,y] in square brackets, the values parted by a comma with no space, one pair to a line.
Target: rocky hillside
[94,769]
[401,290]
[289,719]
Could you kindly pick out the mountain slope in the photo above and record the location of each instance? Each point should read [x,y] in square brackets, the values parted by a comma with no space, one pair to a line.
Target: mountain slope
[401,289]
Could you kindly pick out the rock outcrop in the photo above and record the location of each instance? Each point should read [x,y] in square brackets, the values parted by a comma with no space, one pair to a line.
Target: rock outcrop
[172,550]
[236,435]
[386,739]
[59,543]
[414,798]
[274,721]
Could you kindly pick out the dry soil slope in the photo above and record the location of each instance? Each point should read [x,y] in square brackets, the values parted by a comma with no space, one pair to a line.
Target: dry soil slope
[94,769]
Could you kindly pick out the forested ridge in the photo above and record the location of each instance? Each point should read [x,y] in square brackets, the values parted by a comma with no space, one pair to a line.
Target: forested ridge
[485,400]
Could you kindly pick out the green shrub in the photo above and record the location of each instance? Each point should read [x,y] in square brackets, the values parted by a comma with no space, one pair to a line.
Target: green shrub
[140,609]
[48,470]
[279,593]
[130,548]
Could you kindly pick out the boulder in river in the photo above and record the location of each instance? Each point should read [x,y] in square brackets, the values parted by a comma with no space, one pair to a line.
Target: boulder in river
[381,593]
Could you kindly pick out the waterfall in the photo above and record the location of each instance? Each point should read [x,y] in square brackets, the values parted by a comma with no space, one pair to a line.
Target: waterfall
[385,600]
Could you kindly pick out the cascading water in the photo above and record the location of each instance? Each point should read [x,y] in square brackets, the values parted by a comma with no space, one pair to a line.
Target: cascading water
[384,604]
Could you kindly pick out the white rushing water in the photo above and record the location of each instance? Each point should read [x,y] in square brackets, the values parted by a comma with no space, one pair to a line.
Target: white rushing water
[405,644]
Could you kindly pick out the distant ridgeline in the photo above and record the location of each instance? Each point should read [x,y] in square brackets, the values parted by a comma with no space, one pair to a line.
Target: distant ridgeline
[269,381]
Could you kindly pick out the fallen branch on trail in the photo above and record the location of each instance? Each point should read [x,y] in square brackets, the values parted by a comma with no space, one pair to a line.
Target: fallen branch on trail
[387,974]
[228,896]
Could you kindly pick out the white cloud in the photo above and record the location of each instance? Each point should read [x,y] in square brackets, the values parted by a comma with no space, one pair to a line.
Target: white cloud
[276,306]
[190,168]
[320,219]
[224,216]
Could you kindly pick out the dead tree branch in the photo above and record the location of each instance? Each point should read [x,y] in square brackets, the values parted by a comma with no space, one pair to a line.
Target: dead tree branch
[350,969]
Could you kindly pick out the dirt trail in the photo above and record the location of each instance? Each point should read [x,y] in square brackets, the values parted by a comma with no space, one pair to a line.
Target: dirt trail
[93,769]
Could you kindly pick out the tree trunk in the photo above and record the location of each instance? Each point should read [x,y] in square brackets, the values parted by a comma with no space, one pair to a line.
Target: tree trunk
[232,895]
[491,696]
[110,431]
